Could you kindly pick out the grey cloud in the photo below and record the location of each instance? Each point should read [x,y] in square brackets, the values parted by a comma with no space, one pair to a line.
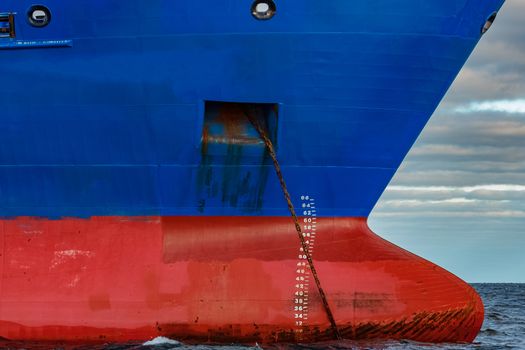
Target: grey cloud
[473,166]
[473,84]
[512,106]
[495,69]
[448,177]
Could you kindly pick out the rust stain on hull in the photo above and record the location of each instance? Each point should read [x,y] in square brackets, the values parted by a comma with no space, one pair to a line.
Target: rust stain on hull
[426,327]
[229,145]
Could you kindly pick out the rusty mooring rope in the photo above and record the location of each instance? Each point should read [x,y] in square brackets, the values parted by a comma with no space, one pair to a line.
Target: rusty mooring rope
[269,145]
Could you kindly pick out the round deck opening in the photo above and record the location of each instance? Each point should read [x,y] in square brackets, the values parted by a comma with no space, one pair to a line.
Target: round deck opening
[263,9]
[39,16]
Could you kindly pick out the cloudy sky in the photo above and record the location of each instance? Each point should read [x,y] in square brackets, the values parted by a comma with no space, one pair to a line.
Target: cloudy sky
[459,197]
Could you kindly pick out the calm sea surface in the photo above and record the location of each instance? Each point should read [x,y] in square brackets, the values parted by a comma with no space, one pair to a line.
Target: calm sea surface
[504,328]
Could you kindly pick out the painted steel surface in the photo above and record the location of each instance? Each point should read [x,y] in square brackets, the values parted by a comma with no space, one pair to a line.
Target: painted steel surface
[113,124]
[136,202]
[223,279]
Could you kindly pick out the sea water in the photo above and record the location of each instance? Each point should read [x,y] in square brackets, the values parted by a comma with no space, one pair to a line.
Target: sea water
[504,328]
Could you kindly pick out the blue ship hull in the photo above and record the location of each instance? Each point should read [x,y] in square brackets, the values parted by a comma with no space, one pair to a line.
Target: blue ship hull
[108,119]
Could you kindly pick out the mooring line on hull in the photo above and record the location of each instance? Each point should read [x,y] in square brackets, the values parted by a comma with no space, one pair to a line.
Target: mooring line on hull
[269,146]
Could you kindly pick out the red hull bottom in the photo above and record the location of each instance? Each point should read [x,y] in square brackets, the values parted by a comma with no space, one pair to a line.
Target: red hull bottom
[221,279]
